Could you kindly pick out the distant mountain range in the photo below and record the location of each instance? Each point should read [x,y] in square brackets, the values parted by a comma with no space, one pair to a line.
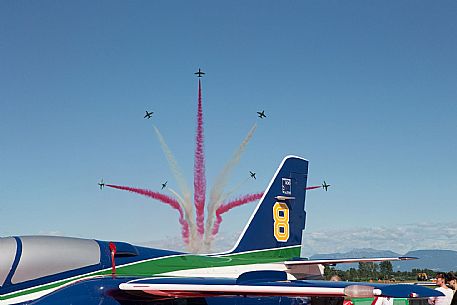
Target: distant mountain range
[437,260]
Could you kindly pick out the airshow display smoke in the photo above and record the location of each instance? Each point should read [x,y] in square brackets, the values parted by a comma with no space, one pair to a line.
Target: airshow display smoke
[185,199]
[199,168]
[164,199]
[216,193]
[313,187]
[188,216]
[197,234]
[224,208]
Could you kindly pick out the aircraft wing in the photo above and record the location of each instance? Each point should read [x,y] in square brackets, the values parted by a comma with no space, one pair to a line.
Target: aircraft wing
[268,283]
[346,260]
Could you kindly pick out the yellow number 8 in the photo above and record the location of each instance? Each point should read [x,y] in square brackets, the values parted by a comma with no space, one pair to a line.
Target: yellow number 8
[281,218]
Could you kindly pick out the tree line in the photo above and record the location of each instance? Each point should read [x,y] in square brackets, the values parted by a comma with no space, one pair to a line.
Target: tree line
[379,272]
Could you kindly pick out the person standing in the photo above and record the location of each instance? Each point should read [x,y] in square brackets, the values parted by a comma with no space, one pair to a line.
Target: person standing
[448,292]
[452,282]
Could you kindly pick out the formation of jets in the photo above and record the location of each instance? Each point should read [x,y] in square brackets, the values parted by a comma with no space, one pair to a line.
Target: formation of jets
[148,115]
[261,114]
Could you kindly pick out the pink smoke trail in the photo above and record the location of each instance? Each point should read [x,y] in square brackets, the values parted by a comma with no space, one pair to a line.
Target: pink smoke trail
[313,187]
[199,168]
[162,198]
[224,208]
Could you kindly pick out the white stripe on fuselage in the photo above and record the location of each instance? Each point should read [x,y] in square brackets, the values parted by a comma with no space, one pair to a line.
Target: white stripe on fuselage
[159,289]
[36,295]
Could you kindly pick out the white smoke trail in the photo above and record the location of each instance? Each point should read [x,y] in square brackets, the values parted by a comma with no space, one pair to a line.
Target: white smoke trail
[209,239]
[226,195]
[179,177]
[216,193]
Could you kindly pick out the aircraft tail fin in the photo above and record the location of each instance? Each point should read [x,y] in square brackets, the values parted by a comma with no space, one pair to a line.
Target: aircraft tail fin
[278,220]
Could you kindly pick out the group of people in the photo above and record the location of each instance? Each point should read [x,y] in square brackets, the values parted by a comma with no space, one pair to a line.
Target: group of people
[446,283]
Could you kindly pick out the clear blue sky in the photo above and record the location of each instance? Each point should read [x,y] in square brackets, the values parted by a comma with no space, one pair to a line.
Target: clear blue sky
[367,91]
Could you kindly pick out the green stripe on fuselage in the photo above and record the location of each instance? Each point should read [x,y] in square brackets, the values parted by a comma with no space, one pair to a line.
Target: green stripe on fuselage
[268,256]
[187,262]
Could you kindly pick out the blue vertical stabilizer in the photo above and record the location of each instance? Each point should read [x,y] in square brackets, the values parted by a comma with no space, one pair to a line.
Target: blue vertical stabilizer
[279,218]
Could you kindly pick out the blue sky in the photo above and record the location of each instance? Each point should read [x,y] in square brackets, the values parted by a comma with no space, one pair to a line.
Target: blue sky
[365,90]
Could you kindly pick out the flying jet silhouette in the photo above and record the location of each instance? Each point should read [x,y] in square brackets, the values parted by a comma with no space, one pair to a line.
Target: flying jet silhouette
[252,175]
[164,185]
[148,115]
[199,73]
[101,184]
[325,186]
[261,114]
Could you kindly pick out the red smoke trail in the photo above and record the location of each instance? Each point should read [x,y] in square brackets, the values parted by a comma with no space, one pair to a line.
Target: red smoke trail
[313,187]
[199,168]
[165,199]
[224,208]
